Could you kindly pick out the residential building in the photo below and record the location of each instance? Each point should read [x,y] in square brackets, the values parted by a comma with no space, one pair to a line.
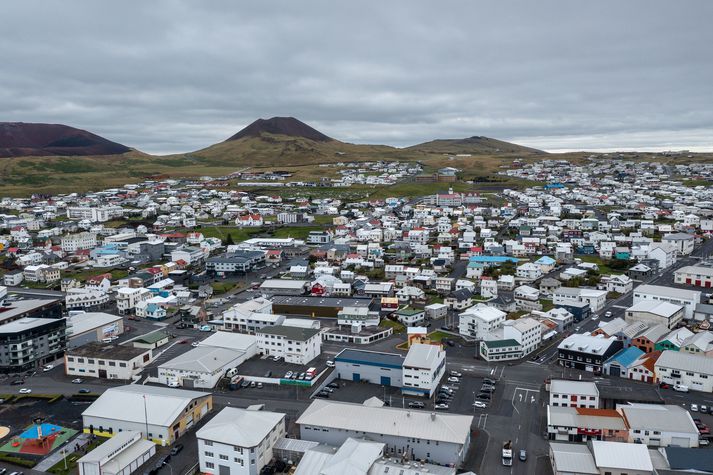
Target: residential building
[578,424]
[479,320]
[594,297]
[295,344]
[239,441]
[567,393]
[586,352]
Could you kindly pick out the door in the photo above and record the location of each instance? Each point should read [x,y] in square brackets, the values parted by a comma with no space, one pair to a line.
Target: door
[356,377]
[386,380]
[102,373]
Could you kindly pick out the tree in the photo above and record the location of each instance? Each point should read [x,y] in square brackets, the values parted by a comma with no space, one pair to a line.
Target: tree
[229,240]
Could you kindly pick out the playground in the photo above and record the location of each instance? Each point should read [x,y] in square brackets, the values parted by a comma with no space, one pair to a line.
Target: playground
[38,439]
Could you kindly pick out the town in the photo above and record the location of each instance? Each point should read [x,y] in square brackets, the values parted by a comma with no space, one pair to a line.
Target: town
[229,325]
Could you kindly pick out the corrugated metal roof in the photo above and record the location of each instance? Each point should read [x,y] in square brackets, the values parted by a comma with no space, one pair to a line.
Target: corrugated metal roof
[398,422]
[241,427]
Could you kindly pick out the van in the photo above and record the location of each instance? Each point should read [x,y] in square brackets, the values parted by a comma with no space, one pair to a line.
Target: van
[680,388]
[173,384]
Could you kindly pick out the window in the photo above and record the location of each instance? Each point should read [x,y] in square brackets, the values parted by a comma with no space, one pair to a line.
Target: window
[209,443]
[223,457]
[212,465]
[208,454]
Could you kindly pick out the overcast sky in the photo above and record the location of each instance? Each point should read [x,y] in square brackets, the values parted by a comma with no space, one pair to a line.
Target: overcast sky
[175,76]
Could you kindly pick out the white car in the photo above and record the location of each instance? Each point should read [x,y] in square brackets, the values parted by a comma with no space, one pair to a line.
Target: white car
[47,367]
[330,364]
[607,314]
[680,388]
[595,317]
[194,344]
[77,381]
[694,407]
[442,407]
[25,391]
[453,379]
[480,405]
[456,374]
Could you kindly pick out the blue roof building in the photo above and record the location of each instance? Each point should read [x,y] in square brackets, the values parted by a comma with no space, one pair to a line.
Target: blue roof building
[619,364]
[493,259]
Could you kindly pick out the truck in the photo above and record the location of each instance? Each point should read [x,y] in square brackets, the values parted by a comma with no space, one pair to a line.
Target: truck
[507,453]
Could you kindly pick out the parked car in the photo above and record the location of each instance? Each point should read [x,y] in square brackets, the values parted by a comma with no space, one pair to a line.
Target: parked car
[47,367]
[607,314]
[441,407]
[663,385]
[484,396]
[453,379]
[330,364]
[275,358]
[323,395]
[176,448]
[259,385]
[194,344]
[704,409]
[245,384]
[456,374]
[487,389]
[480,405]
[25,391]
[288,375]
[450,343]
[84,391]
[489,381]
[680,388]
[17,382]
[416,405]
[333,385]
[701,442]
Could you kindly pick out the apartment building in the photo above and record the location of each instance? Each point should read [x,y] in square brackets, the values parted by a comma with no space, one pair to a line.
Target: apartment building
[127,298]
[239,441]
[479,320]
[75,242]
[295,344]
[566,393]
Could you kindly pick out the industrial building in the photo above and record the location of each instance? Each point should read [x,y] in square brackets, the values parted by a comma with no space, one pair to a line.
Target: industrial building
[93,326]
[371,366]
[123,454]
[160,414]
[97,360]
[414,435]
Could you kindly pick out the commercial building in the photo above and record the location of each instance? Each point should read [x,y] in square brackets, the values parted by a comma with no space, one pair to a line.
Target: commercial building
[205,365]
[660,425]
[586,352]
[160,414]
[688,299]
[316,306]
[577,424]
[566,393]
[283,287]
[93,326]
[127,298]
[295,344]
[123,454]
[414,435]
[653,313]
[700,276]
[694,371]
[373,367]
[106,361]
[234,262]
[239,441]
[423,369]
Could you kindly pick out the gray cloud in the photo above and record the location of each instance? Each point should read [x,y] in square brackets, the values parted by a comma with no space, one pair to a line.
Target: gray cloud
[174,76]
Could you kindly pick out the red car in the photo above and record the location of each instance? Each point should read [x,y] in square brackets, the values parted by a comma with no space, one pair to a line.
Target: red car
[183,342]
[664,386]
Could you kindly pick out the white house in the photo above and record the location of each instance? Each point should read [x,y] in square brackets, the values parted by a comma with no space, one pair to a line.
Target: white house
[567,393]
[295,344]
[127,298]
[566,295]
[529,271]
[479,320]
[239,441]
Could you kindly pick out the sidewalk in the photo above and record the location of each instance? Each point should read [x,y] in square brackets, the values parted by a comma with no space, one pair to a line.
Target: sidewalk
[56,456]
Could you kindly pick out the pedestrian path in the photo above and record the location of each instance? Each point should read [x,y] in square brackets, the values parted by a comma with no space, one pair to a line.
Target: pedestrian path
[56,456]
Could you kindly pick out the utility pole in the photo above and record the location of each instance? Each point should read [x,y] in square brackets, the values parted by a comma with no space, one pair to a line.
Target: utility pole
[146,418]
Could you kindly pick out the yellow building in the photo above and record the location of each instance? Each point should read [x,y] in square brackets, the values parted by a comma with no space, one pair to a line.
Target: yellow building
[161,414]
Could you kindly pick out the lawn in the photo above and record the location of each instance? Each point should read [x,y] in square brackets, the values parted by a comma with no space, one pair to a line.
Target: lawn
[223,287]
[398,327]
[547,305]
[297,232]
[222,232]
[438,335]
[58,468]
